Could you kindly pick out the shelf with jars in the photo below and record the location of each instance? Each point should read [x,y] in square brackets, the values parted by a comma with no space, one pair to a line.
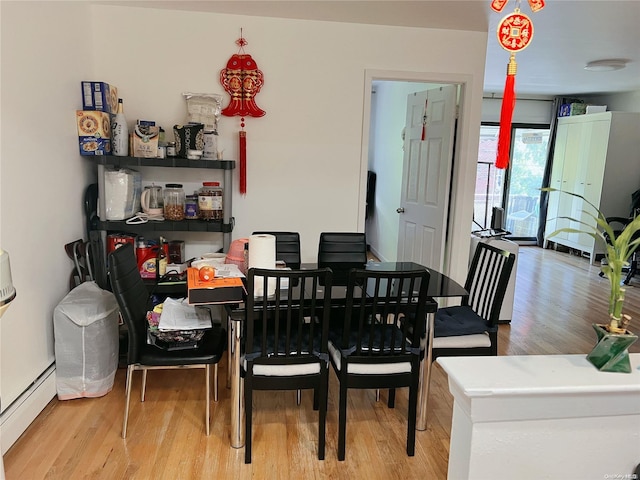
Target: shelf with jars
[101,227]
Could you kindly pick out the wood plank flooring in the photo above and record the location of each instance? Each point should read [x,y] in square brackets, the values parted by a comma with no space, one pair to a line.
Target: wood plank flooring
[558,296]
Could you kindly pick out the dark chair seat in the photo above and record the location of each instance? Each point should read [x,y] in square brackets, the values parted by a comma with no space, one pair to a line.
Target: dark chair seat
[209,350]
[459,320]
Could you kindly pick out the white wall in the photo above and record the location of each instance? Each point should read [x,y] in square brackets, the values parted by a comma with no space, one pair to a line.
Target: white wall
[619,102]
[536,111]
[306,158]
[44,56]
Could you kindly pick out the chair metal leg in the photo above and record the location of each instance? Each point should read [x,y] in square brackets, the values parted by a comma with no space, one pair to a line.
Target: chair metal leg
[126,382]
[144,384]
[298,396]
[377,394]
[207,373]
[130,369]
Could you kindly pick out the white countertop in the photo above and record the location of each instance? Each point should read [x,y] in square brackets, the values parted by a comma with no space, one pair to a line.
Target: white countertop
[540,386]
[527,374]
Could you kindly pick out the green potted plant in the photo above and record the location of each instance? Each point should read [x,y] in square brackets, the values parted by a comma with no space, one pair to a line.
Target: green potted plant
[614,338]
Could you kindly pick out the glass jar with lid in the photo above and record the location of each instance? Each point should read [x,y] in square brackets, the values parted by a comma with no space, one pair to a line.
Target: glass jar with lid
[210,201]
[174,200]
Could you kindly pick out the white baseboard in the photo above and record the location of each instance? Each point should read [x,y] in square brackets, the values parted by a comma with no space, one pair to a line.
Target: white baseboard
[377,254]
[15,420]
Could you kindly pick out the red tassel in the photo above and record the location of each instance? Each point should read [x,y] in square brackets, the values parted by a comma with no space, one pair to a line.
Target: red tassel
[506,115]
[243,162]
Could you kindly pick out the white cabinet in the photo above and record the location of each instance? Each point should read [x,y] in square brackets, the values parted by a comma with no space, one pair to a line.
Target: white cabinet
[596,156]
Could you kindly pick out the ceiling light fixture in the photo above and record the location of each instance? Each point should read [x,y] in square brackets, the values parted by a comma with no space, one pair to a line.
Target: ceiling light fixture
[606,65]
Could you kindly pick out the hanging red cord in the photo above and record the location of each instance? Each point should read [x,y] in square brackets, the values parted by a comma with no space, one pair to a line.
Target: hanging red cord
[506,115]
[243,161]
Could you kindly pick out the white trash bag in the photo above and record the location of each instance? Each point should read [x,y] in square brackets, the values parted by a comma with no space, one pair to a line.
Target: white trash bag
[85,326]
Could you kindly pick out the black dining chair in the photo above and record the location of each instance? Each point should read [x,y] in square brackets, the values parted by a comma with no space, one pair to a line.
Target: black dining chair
[133,299]
[472,327]
[286,334]
[287,247]
[342,251]
[372,348]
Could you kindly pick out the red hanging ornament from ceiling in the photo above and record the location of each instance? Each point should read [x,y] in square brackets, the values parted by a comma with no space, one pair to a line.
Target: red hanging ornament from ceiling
[515,32]
[242,80]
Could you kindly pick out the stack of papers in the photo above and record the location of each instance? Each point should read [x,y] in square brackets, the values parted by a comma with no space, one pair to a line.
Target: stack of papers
[179,315]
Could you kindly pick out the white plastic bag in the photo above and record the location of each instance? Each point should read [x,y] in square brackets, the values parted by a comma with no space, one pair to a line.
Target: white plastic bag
[85,325]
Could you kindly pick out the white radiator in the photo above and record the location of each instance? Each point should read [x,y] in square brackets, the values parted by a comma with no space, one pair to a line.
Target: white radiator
[19,415]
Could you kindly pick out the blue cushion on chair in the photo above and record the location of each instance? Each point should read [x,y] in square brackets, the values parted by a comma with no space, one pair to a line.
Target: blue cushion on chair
[459,320]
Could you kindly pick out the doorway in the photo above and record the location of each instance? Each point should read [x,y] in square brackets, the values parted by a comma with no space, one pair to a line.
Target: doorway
[386,144]
[381,149]
[426,179]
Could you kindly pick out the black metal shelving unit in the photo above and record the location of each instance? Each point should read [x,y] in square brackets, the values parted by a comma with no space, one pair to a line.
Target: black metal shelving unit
[102,227]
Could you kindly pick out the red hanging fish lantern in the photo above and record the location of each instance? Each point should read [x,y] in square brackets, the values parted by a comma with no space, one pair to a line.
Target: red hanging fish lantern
[242,80]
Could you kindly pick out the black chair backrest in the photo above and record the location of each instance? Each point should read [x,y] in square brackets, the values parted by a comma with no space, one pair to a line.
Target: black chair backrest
[342,251]
[487,281]
[377,301]
[287,247]
[283,328]
[132,296]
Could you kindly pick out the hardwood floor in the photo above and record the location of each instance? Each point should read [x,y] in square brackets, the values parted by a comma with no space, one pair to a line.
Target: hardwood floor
[558,296]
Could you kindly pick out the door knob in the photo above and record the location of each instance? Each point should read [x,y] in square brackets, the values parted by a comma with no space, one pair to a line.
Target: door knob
[400,210]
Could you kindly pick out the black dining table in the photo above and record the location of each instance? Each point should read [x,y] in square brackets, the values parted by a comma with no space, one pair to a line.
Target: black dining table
[440,286]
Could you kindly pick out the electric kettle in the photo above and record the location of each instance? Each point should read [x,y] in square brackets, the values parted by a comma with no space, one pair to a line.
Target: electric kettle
[151,200]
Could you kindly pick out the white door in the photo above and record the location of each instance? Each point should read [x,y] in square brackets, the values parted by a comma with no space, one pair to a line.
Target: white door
[426,176]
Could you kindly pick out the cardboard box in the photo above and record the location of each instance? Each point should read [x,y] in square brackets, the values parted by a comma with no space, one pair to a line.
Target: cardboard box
[99,96]
[94,132]
[94,146]
[92,123]
[218,290]
[145,141]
